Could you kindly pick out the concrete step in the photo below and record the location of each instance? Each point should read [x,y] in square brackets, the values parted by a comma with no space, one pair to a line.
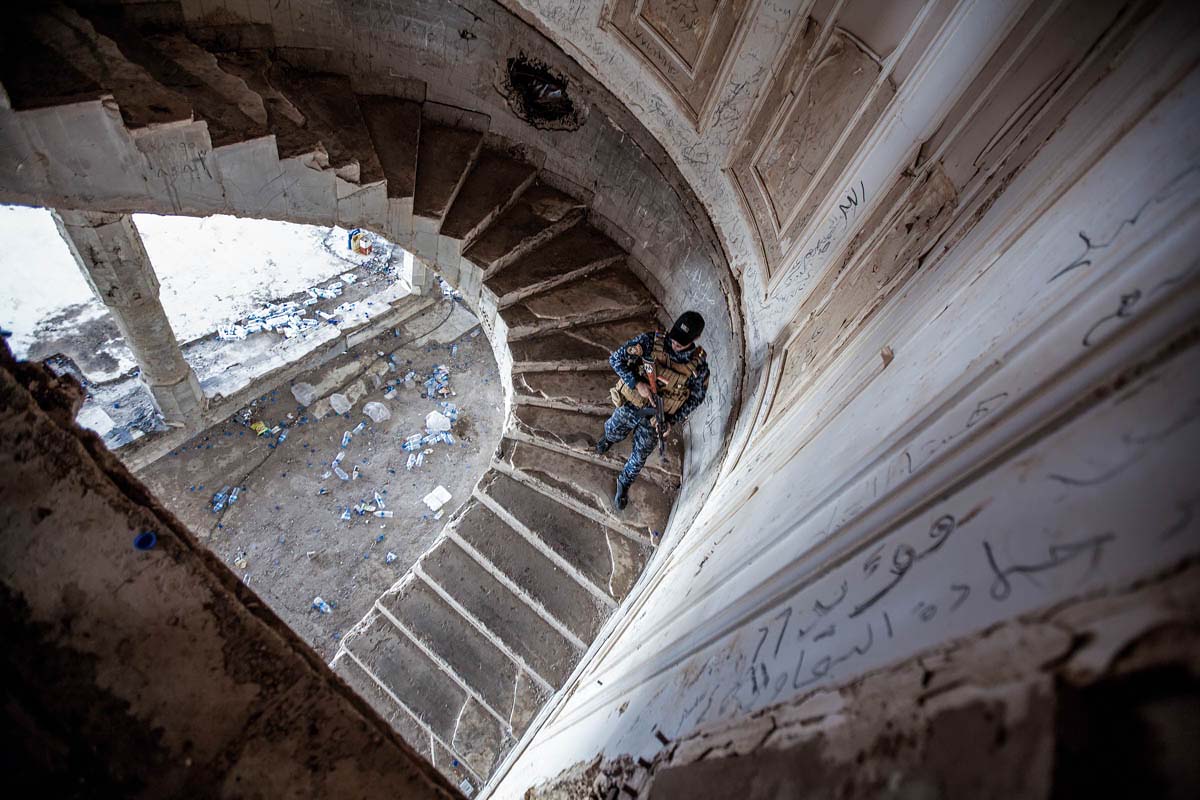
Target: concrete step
[395,129]
[35,75]
[403,669]
[531,570]
[607,294]
[222,100]
[576,434]
[569,256]
[538,215]
[585,391]
[591,485]
[143,101]
[474,657]
[405,723]
[293,139]
[331,112]
[504,614]
[444,157]
[584,347]
[492,185]
[608,559]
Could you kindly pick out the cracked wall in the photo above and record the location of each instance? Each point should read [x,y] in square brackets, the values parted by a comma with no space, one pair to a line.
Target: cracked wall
[1061,703]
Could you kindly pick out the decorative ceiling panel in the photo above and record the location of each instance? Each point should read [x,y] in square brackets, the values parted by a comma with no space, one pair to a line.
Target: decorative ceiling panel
[811,118]
[689,43]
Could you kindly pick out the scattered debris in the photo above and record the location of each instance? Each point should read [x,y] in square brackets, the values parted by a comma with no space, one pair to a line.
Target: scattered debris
[340,403]
[436,421]
[389,558]
[377,411]
[437,498]
[305,393]
[321,605]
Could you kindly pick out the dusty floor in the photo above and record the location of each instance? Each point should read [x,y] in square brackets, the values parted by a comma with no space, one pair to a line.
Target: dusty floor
[284,537]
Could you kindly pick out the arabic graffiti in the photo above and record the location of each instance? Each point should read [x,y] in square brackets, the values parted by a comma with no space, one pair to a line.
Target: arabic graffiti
[1092,244]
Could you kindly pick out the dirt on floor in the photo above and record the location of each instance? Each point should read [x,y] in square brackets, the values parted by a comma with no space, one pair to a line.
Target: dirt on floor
[285,535]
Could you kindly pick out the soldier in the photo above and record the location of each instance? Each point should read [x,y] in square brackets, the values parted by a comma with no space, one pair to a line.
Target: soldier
[681,371]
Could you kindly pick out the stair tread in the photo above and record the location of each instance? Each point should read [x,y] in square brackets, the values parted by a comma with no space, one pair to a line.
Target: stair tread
[610,563]
[579,432]
[592,485]
[161,57]
[331,112]
[430,693]
[490,184]
[477,661]
[395,129]
[574,248]
[142,99]
[531,570]
[500,611]
[612,289]
[285,120]
[538,208]
[570,389]
[400,720]
[443,155]
[586,343]
[35,75]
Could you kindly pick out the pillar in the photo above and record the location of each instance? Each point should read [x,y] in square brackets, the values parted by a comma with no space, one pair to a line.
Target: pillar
[113,261]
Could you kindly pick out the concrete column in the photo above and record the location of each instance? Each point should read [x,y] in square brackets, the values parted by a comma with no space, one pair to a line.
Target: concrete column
[111,257]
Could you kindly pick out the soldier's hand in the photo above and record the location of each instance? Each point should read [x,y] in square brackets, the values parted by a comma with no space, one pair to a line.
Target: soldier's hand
[643,389]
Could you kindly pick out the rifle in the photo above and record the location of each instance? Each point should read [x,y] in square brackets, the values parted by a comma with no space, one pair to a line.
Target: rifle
[656,399]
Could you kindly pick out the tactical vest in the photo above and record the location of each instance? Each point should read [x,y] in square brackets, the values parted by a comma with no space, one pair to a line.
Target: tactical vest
[672,377]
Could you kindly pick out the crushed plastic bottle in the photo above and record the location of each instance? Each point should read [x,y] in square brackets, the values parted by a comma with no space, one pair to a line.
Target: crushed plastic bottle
[379,500]
[341,473]
[360,427]
[346,437]
[282,437]
[412,459]
[338,458]
[346,513]
[321,605]
[340,403]
[354,474]
[389,558]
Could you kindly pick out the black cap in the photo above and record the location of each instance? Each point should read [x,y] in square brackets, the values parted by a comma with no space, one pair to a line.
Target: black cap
[687,328]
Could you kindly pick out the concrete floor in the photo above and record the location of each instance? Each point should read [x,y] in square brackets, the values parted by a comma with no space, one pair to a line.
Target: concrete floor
[286,539]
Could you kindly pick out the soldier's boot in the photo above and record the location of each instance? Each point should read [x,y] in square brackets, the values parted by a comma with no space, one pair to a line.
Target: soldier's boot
[621,498]
[602,445]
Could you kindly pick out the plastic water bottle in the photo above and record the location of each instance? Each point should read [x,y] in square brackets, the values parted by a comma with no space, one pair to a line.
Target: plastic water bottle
[379,501]
[282,437]
[354,474]
[341,473]
[233,496]
[346,513]
[385,514]
[360,426]
[338,458]
[346,439]
[321,605]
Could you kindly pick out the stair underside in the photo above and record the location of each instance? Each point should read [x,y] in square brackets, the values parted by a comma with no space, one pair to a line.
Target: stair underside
[461,654]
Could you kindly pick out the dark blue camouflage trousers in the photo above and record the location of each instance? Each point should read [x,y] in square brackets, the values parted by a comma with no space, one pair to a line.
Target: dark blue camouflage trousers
[624,420]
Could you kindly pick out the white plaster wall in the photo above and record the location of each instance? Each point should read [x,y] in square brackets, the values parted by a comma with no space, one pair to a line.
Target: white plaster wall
[874,492]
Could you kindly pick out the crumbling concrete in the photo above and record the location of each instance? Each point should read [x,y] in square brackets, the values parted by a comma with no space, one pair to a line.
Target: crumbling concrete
[1094,696]
[135,663]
